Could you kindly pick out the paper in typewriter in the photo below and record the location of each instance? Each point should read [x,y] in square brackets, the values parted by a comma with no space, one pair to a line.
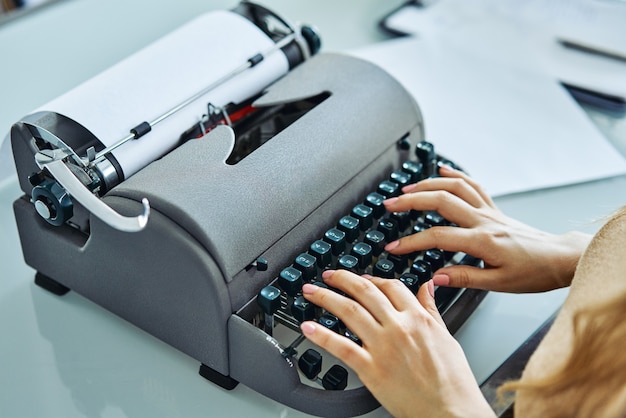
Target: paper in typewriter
[166,73]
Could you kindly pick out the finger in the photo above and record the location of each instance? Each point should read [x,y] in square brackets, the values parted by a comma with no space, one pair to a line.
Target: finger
[448,171]
[426,297]
[353,314]
[339,346]
[355,317]
[368,296]
[451,207]
[447,238]
[398,294]
[454,185]
[472,277]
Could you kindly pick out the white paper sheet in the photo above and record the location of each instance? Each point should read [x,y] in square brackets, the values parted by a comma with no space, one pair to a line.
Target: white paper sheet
[598,24]
[166,73]
[527,34]
[511,129]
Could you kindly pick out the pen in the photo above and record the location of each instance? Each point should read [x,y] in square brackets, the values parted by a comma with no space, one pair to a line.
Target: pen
[603,101]
[592,50]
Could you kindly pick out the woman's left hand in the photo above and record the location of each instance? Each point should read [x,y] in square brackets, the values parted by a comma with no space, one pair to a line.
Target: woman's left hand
[408,359]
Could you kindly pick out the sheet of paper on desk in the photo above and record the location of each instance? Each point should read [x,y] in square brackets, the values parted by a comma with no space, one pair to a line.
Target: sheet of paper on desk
[529,35]
[512,130]
[596,24]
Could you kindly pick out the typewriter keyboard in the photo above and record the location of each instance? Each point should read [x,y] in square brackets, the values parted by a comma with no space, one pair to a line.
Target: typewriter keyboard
[356,243]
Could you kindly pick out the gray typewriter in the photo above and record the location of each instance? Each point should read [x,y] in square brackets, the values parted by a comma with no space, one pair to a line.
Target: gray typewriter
[194,197]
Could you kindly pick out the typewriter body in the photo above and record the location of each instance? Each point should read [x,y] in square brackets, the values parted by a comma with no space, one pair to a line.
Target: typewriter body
[186,246]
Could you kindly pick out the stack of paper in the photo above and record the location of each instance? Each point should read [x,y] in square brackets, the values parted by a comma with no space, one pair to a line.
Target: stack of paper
[511,128]
[531,34]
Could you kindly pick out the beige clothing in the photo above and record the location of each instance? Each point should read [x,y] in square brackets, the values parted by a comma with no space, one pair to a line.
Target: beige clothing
[599,277]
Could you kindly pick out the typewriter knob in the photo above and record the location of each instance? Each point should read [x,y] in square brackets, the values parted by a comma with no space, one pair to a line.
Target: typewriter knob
[404,143]
[52,202]
[312,39]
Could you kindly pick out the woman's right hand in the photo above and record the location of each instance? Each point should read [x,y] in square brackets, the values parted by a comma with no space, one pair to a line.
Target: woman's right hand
[517,257]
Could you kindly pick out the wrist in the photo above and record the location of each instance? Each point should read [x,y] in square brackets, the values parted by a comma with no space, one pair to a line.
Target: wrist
[571,247]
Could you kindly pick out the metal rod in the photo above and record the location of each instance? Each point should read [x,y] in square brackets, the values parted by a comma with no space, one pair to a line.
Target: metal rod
[248,64]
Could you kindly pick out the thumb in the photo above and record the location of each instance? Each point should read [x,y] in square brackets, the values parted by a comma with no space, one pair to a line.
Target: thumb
[464,276]
[426,298]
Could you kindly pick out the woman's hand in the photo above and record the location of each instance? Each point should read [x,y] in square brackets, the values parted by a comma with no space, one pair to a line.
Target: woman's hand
[408,359]
[517,257]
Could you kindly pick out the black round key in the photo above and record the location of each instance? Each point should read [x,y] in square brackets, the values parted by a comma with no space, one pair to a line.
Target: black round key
[403,219]
[336,378]
[336,239]
[400,261]
[290,280]
[420,226]
[348,262]
[411,281]
[388,189]
[401,177]
[435,257]
[384,268]
[349,225]
[414,169]
[320,284]
[353,337]
[322,251]
[422,270]
[364,214]
[415,214]
[306,263]
[375,201]
[269,299]
[303,310]
[310,363]
[446,162]
[330,321]
[363,253]
[425,152]
[376,240]
[434,218]
[389,228]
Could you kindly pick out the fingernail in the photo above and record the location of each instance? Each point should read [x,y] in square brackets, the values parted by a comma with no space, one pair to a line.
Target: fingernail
[409,188]
[308,328]
[390,201]
[327,273]
[431,288]
[392,245]
[445,168]
[308,288]
[441,279]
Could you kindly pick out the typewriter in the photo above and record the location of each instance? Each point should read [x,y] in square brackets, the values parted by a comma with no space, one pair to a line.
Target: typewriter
[201,224]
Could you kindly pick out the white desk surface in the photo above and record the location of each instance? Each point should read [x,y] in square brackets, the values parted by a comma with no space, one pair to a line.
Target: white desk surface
[68,357]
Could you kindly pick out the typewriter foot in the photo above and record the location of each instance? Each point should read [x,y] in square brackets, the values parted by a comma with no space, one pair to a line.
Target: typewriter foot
[219,379]
[50,285]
